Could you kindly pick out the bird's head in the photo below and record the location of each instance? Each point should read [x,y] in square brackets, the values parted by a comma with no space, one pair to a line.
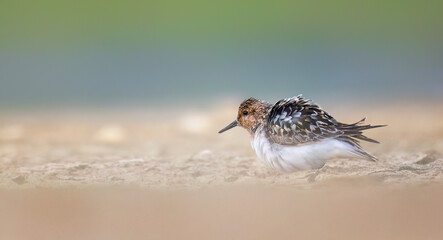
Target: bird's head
[251,114]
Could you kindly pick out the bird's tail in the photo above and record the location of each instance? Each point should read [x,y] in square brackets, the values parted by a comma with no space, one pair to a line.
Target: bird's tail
[353,133]
[355,130]
[359,152]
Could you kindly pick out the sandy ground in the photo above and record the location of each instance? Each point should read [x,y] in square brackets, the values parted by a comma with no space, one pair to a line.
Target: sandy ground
[172,173]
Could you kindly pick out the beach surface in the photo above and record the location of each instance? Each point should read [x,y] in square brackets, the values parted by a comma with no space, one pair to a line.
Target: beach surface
[156,174]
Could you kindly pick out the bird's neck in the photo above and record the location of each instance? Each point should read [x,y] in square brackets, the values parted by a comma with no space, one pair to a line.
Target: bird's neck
[256,129]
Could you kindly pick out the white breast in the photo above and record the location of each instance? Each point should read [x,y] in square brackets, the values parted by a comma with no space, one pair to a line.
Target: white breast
[287,158]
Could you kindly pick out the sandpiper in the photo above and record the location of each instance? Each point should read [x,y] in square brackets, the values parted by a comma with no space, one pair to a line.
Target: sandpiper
[296,134]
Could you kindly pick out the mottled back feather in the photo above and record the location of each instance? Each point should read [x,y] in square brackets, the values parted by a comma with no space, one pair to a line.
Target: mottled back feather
[296,120]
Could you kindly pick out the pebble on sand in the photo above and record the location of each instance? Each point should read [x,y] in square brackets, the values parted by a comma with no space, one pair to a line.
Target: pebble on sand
[204,155]
[194,124]
[11,133]
[431,157]
[110,134]
[136,160]
[19,180]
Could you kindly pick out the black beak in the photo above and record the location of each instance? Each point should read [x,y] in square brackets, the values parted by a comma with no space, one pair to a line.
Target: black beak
[233,124]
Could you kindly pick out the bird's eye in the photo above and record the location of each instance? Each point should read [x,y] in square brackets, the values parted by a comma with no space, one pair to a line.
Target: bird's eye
[245,113]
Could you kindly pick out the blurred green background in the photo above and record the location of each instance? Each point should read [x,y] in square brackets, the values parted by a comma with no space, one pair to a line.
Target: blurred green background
[57,54]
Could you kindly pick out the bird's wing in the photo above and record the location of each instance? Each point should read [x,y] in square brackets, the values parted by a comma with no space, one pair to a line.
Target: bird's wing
[296,120]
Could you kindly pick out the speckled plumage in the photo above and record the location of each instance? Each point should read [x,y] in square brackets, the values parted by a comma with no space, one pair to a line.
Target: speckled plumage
[296,134]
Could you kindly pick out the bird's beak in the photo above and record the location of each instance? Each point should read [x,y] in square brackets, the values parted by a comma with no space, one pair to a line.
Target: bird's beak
[233,124]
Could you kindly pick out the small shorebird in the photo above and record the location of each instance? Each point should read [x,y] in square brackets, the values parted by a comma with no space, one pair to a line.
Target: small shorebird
[296,134]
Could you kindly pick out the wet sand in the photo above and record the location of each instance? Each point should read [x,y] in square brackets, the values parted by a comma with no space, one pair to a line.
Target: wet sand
[167,174]
[253,212]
